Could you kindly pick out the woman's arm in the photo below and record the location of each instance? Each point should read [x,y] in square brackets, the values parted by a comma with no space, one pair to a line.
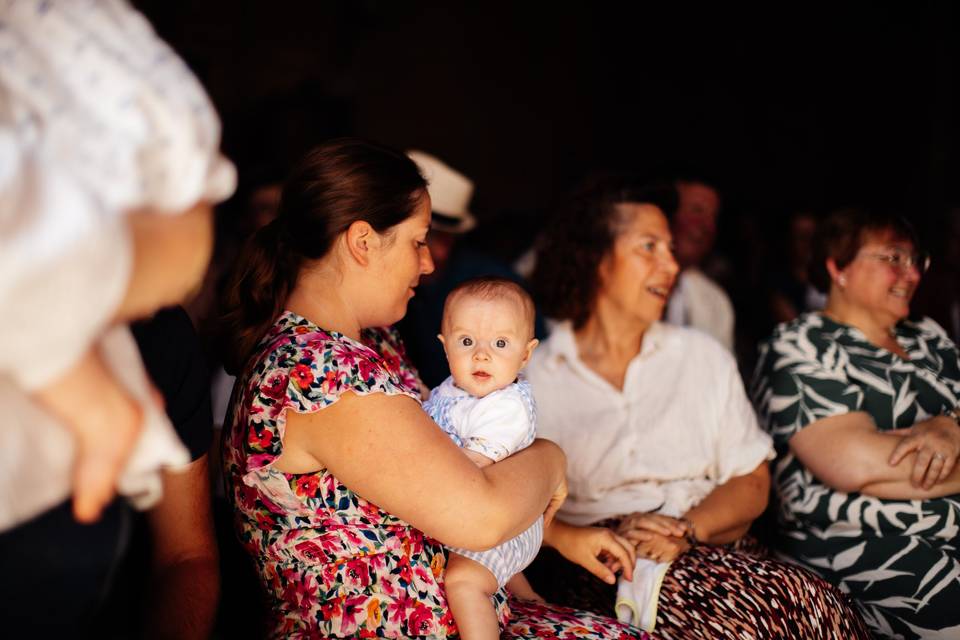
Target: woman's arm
[728,511]
[186,573]
[723,516]
[847,452]
[387,450]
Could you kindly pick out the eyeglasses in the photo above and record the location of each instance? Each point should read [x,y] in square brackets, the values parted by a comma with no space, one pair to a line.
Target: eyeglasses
[902,260]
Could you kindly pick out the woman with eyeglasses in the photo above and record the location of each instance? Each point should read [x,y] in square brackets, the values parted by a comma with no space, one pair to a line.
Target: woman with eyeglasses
[861,403]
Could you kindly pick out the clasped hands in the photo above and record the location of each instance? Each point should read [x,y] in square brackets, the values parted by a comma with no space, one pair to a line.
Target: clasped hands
[936,442]
[605,552]
[655,536]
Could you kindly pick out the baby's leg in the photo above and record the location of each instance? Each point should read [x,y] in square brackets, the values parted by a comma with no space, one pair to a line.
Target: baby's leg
[105,421]
[469,587]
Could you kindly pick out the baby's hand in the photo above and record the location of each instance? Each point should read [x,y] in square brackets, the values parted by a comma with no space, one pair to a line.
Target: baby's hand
[105,421]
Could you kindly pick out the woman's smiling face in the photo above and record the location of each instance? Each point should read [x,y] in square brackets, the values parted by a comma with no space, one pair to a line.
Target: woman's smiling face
[883,276]
[637,275]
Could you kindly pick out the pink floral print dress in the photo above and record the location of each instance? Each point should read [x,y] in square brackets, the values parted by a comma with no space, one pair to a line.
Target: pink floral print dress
[333,564]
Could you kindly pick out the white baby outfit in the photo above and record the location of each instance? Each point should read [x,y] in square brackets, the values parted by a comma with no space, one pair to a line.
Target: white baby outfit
[496,425]
[98,118]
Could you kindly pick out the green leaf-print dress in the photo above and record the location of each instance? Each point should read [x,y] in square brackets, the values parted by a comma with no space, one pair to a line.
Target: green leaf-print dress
[897,558]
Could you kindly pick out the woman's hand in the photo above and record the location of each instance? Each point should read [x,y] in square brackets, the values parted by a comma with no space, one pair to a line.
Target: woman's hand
[597,549]
[937,444]
[848,453]
[661,548]
[105,421]
[637,527]
[655,536]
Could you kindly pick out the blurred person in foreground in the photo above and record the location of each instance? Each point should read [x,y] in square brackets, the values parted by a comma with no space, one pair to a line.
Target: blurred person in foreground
[862,406]
[110,167]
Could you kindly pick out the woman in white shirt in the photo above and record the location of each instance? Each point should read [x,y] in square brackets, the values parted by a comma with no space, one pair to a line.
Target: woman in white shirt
[662,443]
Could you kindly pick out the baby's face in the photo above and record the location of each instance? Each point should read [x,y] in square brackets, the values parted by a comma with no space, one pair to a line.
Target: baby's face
[487,342]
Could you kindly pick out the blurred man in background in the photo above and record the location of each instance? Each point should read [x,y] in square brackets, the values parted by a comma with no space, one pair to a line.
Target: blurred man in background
[697,301]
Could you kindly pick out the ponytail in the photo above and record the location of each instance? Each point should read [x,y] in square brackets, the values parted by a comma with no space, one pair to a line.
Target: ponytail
[258,287]
[335,185]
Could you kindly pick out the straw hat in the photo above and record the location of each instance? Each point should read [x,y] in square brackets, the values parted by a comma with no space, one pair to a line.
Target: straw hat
[450,192]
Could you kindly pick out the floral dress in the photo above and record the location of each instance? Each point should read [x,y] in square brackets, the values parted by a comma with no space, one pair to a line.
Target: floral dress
[333,564]
[897,558]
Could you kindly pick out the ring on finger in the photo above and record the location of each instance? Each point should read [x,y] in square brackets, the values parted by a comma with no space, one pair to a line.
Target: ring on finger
[939,456]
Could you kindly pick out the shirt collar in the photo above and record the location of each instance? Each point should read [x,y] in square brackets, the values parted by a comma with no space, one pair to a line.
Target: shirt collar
[562,345]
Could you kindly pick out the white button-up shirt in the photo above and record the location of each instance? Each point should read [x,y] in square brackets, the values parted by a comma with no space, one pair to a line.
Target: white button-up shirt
[681,425]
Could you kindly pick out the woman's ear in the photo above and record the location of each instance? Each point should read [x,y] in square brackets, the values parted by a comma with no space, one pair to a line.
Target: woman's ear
[836,274]
[361,239]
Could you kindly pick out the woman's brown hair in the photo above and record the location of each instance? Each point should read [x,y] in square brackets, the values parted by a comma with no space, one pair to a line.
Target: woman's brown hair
[336,184]
[841,234]
[566,278]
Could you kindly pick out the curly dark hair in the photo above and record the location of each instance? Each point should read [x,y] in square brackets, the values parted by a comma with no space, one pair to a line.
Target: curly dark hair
[566,278]
[841,234]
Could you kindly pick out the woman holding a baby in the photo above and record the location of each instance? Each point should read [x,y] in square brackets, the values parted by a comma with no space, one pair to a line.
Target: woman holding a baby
[344,488]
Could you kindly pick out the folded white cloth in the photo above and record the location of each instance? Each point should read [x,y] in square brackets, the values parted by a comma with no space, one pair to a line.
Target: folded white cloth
[637,599]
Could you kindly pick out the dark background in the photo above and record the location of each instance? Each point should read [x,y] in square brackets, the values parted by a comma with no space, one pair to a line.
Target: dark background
[786,107]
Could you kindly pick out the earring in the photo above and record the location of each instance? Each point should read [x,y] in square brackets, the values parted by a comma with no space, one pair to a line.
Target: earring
[842,281]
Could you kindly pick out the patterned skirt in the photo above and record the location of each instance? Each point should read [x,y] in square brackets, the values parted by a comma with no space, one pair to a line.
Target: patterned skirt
[717,592]
[535,621]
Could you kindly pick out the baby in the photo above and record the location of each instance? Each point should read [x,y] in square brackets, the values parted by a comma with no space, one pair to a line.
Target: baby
[487,334]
